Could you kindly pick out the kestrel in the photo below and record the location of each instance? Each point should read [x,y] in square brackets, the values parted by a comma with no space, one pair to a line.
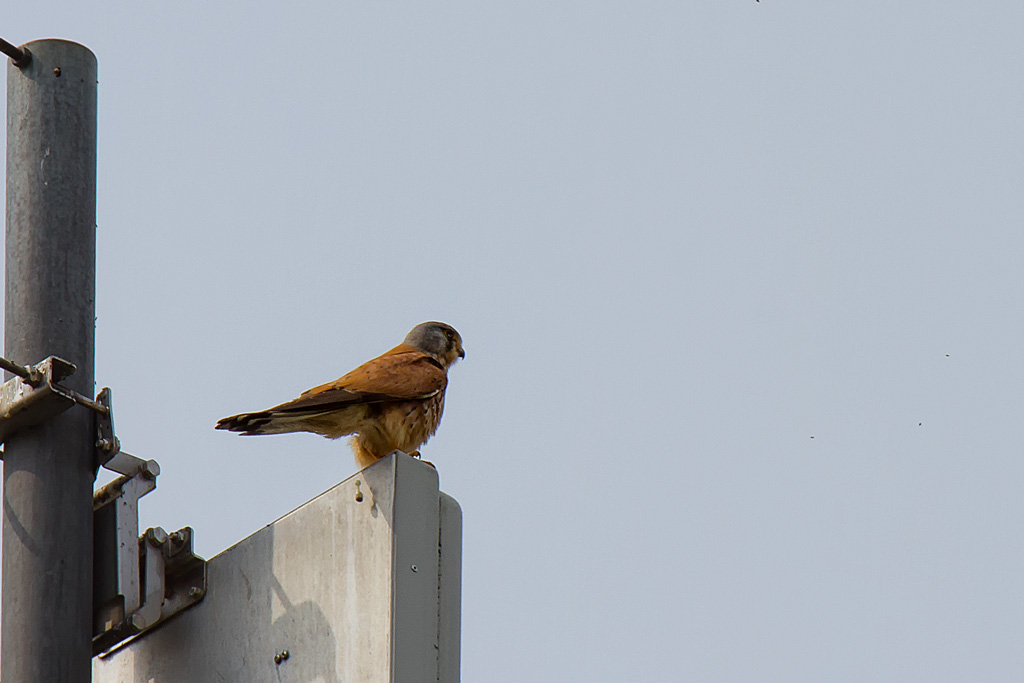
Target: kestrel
[393,402]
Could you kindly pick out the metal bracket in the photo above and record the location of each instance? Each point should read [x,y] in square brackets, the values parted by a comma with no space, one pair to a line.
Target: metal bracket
[139,581]
[107,443]
[116,576]
[108,447]
[175,577]
[34,396]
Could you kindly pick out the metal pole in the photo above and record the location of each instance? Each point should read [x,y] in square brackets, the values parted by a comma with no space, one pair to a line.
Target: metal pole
[50,310]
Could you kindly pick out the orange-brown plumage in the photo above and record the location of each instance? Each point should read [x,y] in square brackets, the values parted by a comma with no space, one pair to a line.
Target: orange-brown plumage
[392,402]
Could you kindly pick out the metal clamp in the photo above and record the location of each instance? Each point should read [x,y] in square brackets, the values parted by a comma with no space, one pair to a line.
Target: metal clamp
[162,577]
[33,395]
[116,575]
[108,446]
[138,582]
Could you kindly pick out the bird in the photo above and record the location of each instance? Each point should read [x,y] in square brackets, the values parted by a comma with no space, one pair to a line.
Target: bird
[392,402]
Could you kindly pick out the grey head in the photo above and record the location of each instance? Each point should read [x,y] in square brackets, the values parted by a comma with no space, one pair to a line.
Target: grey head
[440,340]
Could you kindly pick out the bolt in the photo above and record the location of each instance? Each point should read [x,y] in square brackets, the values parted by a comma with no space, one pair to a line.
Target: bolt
[415,568]
[359,494]
[157,536]
[179,536]
[150,469]
[56,71]
[137,621]
[281,656]
[194,591]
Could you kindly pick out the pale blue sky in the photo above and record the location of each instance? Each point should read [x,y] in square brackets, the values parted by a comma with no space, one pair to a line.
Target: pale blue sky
[680,239]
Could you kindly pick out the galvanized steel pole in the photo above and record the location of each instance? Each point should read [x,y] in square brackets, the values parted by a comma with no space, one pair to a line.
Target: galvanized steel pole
[50,310]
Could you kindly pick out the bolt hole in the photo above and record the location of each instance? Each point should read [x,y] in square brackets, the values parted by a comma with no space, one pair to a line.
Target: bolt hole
[56,71]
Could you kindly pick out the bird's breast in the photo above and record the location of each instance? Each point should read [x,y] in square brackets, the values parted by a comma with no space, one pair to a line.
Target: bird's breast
[410,423]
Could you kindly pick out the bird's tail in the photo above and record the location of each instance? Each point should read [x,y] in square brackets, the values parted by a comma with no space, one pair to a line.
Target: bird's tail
[263,422]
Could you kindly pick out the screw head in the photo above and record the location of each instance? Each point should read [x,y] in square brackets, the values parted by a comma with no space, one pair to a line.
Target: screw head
[156,535]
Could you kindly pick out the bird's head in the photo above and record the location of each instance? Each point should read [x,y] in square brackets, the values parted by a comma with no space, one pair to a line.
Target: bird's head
[439,340]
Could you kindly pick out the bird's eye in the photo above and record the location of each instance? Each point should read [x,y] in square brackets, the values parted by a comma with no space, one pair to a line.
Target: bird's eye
[449,334]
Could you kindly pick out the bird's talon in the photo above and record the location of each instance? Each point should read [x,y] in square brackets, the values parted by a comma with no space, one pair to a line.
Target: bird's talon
[415,454]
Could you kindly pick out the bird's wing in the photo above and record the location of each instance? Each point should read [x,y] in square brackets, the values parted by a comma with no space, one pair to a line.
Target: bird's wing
[403,373]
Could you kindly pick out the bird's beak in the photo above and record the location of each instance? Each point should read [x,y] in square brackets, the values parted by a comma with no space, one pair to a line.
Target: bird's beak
[462,352]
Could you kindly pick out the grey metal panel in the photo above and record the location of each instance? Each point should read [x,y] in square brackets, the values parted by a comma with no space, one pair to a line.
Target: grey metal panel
[449,626]
[330,583]
[414,645]
[50,310]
